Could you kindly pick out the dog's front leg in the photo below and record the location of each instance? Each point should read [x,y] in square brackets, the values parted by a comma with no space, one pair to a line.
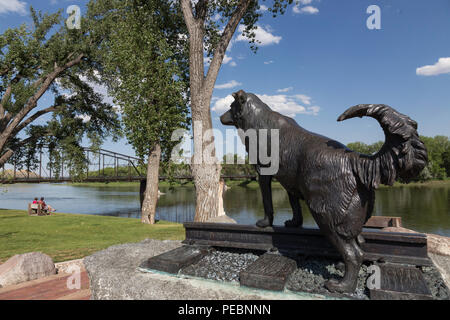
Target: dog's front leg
[266,192]
[297,219]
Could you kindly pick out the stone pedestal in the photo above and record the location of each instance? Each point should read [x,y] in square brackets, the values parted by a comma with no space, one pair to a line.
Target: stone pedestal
[114,274]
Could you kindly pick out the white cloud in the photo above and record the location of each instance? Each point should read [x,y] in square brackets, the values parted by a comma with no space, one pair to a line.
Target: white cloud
[303,98]
[223,104]
[285,89]
[303,7]
[228,85]
[268,62]
[288,105]
[226,60]
[263,8]
[263,36]
[16,6]
[84,117]
[305,10]
[98,88]
[440,67]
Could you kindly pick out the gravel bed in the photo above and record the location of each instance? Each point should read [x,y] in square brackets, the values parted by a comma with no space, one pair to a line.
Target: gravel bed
[221,265]
[435,283]
[313,272]
[310,276]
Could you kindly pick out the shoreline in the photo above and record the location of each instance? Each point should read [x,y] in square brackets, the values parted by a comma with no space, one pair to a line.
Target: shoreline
[247,184]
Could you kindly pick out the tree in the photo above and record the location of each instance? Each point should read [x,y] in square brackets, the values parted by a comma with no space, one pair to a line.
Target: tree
[205,32]
[39,60]
[141,60]
[436,148]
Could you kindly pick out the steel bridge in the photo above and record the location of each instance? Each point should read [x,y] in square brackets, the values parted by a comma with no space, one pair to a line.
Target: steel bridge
[102,166]
[124,168]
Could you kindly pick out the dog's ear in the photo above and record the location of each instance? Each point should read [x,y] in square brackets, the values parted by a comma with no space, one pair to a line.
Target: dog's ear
[241,96]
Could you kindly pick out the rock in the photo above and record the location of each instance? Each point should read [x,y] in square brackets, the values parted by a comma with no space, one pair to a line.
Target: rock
[442,264]
[221,219]
[114,274]
[398,229]
[26,267]
[436,244]
[69,266]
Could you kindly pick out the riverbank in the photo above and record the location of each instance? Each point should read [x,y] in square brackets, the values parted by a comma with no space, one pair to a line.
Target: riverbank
[72,236]
[252,184]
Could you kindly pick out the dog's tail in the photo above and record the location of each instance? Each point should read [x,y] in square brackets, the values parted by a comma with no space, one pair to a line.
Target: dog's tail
[403,155]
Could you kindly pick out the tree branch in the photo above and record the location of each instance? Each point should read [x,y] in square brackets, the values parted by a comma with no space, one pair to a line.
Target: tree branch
[187,13]
[6,156]
[10,152]
[219,51]
[34,117]
[32,102]
[7,94]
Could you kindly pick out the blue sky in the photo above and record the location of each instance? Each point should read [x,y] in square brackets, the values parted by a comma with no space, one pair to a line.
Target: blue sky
[320,58]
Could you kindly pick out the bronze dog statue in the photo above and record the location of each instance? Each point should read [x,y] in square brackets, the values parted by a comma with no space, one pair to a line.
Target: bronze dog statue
[337,184]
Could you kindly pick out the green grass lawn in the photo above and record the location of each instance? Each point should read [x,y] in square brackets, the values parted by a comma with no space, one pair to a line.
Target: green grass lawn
[66,236]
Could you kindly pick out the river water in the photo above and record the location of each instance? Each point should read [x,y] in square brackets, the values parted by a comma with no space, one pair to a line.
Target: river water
[425,209]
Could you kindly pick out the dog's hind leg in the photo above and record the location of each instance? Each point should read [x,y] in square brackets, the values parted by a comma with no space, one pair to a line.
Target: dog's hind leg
[297,218]
[266,192]
[352,259]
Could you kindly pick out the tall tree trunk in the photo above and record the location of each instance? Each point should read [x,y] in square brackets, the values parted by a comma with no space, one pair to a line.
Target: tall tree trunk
[205,172]
[151,191]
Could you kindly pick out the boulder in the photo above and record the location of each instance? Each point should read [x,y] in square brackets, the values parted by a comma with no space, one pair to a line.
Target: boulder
[69,266]
[398,229]
[221,219]
[436,244]
[26,267]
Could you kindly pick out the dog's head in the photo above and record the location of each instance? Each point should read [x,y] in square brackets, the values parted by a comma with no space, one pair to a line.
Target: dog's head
[244,109]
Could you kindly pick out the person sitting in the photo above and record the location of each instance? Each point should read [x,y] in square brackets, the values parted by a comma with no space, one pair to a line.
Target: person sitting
[35,201]
[45,206]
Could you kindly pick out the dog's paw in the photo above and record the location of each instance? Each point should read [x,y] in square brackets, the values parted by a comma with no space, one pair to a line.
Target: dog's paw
[263,223]
[293,223]
[334,285]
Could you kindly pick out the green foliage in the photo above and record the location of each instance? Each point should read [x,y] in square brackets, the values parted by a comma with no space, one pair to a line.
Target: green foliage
[239,166]
[48,57]
[218,13]
[363,148]
[143,62]
[438,149]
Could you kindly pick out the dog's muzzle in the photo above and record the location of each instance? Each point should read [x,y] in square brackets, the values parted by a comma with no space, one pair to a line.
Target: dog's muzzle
[227,119]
